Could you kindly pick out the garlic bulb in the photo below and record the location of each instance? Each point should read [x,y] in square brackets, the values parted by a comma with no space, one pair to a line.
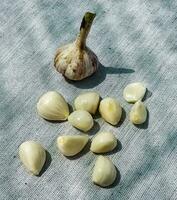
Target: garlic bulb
[103,142]
[75,60]
[138,113]
[81,119]
[33,156]
[104,172]
[134,92]
[87,101]
[52,106]
[70,145]
[110,110]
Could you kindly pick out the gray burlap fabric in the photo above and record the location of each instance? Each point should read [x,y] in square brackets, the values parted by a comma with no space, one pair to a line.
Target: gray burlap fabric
[135,41]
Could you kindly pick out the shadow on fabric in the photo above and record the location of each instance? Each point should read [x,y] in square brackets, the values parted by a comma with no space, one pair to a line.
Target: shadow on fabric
[99,76]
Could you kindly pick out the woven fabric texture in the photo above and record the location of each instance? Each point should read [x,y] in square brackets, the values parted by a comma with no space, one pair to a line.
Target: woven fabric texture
[135,40]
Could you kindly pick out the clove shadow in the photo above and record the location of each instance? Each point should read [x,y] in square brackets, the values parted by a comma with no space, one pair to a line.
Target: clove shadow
[97,115]
[95,129]
[70,108]
[145,124]
[46,164]
[99,76]
[147,95]
[117,180]
[85,150]
[123,117]
[115,150]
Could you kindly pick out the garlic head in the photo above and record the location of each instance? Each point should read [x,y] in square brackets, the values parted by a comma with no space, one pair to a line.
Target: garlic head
[33,156]
[52,106]
[70,145]
[104,172]
[103,142]
[87,101]
[76,61]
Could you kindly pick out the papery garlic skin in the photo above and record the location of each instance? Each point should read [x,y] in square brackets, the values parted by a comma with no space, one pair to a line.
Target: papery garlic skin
[33,156]
[134,92]
[70,145]
[87,101]
[110,110]
[103,142]
[81,119]
[138,113]
[75,60]
[52,106]
[104,172]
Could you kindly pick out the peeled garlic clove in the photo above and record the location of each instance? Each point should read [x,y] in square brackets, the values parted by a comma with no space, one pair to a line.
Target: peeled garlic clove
[134,92]
[81,119]
[76,61]
[70,145]
[110,110]
[138,113]
[87,101]
[103,142]
[52,106]
[33,156]
[104,172]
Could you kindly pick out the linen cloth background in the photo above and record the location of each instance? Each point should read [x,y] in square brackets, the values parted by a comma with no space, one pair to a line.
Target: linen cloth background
[135,40]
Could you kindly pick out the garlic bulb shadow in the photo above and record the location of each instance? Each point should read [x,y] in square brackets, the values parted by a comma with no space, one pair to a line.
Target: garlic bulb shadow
[99,76]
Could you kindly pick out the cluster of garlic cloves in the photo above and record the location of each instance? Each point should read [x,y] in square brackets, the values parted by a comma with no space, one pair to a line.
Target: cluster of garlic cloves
[76,61]
[53,106]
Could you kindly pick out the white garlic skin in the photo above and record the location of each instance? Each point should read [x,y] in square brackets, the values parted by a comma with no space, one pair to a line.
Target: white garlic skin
[33,156]
[110,110]
[103,142]
[104,172]
[87,101]
[70,145]
[134,92]
[138,113]
[52,106]
[81,119]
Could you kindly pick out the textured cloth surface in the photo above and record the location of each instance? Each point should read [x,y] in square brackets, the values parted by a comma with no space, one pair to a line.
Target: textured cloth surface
[134,41]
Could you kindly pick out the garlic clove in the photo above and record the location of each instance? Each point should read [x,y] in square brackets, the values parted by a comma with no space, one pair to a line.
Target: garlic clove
[87,101]
[81,119]
[70,145]
[103,142]
[104,172]
[138,113]
[33,156]
[110,110]
[76,61]
[52,106]
[134,92]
